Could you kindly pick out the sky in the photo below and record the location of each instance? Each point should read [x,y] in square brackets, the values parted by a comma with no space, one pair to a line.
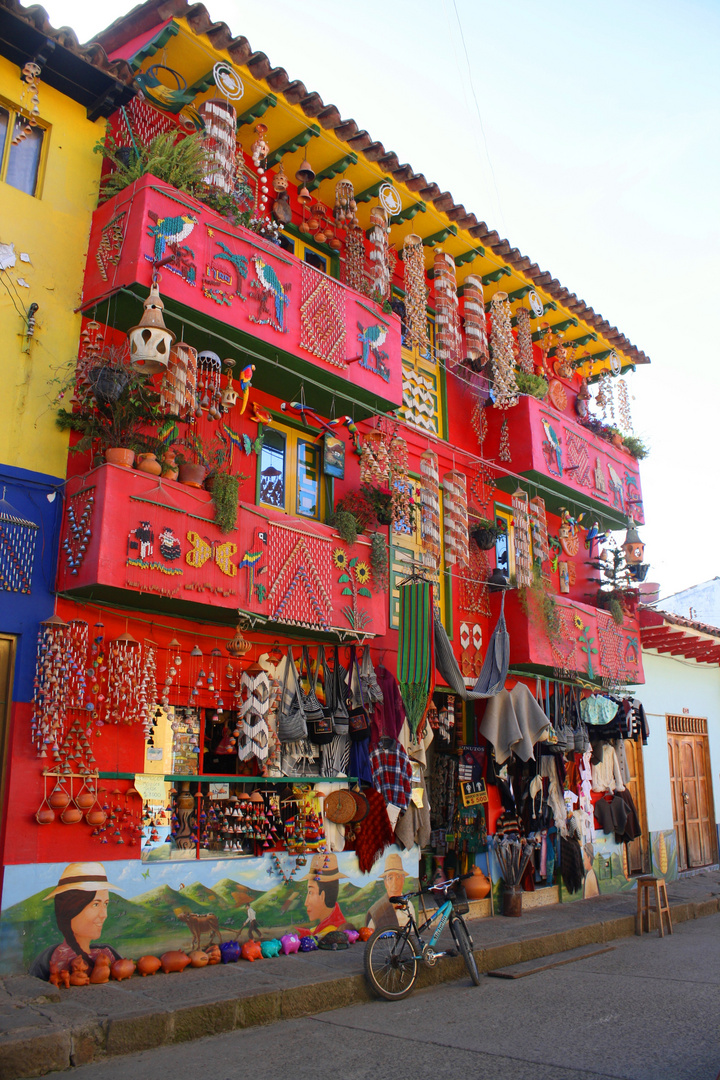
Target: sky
[586,135]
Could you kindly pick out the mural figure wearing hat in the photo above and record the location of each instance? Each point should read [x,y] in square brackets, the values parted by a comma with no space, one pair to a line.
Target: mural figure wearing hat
[382,913]
[321,901]
[81,903]
[590,881]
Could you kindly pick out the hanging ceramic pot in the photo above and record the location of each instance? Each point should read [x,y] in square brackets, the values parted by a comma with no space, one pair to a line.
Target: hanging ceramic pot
[58,798]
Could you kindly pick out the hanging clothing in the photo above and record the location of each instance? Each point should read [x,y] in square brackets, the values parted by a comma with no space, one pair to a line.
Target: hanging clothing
[513,723]
[375,834]
[606,774]
[495,666]
[413,826]
[389,714]
[392,772]
[597,710]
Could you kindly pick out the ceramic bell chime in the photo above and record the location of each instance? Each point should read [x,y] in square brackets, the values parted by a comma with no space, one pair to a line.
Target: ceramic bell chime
[375,458]
[430,506]
[49,687]
[626,424]
[131,682]
[304,176]
[220,120]
[179,387]
[447,315]
[259,152]
[524,340]
[150,341]
[345,209]
[173,664]
[476,337]
[79,535]
[380,270]
[242,822]
[229,396]
[456,519]
[281,209]
[505,389]
[209,370]
[416,293]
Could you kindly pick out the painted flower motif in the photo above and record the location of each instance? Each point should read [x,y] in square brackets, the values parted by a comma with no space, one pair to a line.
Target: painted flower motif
[340,558]
[578,622]
[362,572]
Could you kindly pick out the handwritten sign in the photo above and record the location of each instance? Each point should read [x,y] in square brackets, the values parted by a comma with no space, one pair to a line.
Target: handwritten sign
[151,787]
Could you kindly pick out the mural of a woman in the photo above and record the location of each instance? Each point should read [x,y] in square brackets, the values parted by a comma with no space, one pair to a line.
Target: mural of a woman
[81,902]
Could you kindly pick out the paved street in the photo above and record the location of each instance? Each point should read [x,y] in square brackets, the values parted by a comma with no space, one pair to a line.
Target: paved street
[647,1010]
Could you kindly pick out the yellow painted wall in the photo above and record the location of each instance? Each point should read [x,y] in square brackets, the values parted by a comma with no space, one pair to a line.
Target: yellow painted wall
[53,229]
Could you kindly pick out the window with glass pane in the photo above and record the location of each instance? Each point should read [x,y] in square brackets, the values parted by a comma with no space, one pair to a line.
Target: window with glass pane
[272,469]
[21,146]
[313,258]
[4,125]
[308,479]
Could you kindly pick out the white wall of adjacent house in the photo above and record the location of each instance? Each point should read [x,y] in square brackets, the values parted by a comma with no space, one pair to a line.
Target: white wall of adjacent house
[676,687]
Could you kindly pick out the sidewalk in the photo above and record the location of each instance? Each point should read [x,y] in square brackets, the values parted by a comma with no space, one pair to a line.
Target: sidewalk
[43,1029]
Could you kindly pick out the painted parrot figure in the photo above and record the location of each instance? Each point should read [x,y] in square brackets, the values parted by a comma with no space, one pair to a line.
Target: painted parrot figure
[171,230]
[259,415]
[245,379]
[371,338]
[554,440]
[271,283]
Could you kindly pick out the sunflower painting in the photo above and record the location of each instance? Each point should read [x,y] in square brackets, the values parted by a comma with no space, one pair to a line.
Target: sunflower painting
[354,578]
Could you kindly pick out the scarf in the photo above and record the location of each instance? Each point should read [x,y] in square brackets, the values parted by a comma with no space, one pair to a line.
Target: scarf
[415,660]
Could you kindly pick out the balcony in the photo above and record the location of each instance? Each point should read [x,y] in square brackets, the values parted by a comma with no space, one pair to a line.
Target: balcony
[129,538]
[587,641]
[227,289]
[566,460]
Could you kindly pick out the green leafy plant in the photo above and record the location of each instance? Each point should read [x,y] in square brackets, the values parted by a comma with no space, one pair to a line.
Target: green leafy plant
[540,606]
[180,162]
[371,506]
[636,446]
[225,493]
[346,525]
[379,560]
[484,532]
[534,385]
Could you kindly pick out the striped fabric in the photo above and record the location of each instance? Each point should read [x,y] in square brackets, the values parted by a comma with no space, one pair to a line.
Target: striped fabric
[415,667]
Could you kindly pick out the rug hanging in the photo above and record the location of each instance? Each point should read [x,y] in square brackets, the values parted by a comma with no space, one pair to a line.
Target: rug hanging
[415,663]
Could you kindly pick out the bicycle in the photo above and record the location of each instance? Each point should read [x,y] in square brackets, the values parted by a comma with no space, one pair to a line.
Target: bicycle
[392,957]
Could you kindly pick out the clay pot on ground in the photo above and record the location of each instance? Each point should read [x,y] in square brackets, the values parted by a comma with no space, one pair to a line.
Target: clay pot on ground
[148,965]
[175,960]
[118,455]
[477,886]
[122,969]
[149,463]
[192,475]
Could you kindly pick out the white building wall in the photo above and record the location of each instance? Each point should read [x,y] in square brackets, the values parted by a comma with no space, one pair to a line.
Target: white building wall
[701,602]
[673,685]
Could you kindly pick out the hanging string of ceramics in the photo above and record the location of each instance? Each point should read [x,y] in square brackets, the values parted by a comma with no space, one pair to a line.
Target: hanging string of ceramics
[400,485]
[355,275]
[605,398]
[179,387]
[345,209]
[626,423]
[259,152]
[538,529]
[524,340]
[375,458]
[521,522]
[447,315]
[430,506]
[416,293]
[209,371]
[29,101]
[503,357]
[380,269]
[456,519]
[476,337]
[220,120]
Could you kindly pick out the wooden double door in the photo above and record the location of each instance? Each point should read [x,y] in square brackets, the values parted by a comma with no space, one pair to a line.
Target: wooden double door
[692,796]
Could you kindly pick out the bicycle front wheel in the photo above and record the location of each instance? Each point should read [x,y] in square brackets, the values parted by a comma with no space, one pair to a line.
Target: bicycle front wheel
[390,964]
[462,940]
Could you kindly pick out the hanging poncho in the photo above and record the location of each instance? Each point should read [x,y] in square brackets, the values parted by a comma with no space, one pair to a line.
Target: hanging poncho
[415,656]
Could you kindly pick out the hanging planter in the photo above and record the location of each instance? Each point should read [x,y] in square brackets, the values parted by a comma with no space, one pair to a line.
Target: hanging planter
[485,534]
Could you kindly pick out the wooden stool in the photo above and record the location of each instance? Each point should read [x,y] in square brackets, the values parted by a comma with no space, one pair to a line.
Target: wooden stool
[642,920]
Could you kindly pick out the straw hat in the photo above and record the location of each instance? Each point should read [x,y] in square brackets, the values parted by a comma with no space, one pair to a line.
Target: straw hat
[323,867]
[339,807]
[85,876]
[393,865]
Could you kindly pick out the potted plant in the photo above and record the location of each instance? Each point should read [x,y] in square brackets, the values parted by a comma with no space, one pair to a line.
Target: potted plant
[484,532]
[182,162]
[534,385]
[636,446]
[223,485]
[191,461]
[114,408]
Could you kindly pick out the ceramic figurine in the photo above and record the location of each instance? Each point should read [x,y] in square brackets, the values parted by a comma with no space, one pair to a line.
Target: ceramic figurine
[352,935]
[308,944]
[175,960]
[122,969]
[148,965]
[101,970]
[230,952]
[270,948]
[198,958]
[59,977]
[290,943]
[79,972]
[252,950]
[213,954]
[364,933]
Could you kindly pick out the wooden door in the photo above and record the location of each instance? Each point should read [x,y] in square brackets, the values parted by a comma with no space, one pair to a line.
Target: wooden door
[691,785]
[7,664]
[638,851]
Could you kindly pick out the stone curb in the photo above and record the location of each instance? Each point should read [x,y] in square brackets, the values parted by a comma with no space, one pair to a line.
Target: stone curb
[32,1051]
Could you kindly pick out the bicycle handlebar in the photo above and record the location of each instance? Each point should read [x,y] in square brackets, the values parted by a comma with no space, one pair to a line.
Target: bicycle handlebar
[440,885]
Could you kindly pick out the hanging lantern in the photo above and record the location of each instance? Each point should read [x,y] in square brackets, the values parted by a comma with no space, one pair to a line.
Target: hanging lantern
[178,389]
[305,174]
[150,340]
[447,318]
[238,646]
[633,546]
[476,337]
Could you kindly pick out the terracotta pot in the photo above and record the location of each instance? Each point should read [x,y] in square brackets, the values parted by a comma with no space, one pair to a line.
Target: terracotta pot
[85,800]
[477,886]
[59,798]
[148,965]
[174,961]
[45,816]
[170,469]
[71,815]
[198,958]
[122,969]
[617,441]
[192,475]
[96,817]
[117,455]
[149,463]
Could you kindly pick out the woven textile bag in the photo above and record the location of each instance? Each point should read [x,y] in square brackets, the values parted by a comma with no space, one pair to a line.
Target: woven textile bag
[291,722]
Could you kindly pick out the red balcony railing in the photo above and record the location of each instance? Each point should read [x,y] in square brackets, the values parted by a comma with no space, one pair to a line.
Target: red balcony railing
[224,286]
[568,459]
[127,532]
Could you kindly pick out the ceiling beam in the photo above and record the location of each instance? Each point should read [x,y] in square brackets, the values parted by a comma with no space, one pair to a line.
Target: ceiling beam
[296,143]
[408,213]
[333,170]
[257,110]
